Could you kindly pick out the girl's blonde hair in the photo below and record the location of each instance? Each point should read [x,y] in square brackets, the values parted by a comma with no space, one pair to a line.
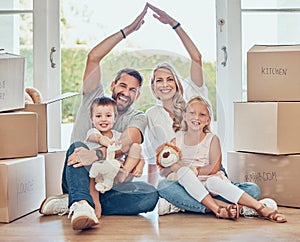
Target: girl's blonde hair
[200,99]
[178,100]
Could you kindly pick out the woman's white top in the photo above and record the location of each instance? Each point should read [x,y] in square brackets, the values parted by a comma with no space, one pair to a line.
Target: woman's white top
[159,127]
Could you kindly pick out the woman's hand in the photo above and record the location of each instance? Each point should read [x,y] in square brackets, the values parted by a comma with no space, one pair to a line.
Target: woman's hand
[82,157]
[162,16]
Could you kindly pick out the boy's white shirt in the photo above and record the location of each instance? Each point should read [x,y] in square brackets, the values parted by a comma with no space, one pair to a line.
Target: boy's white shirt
[95,145]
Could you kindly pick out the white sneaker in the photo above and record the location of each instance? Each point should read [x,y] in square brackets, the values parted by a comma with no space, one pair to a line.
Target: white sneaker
[164,207]
[55,205]
[83,216]
[250,212]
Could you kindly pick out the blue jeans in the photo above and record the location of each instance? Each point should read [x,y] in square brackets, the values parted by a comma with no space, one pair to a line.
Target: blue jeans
[178,196]
[129,198]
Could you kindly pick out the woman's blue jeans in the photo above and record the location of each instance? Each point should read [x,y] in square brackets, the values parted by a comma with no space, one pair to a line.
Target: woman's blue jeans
[178,196]
[123,199]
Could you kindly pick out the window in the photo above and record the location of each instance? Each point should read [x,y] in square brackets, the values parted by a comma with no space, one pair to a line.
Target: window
[16,31]
[268,22]
[152,44]
[34,24]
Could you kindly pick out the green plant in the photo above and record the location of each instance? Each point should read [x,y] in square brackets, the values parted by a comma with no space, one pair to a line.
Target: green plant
[73,64]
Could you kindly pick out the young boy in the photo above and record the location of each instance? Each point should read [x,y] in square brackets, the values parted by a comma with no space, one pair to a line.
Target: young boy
[103,113]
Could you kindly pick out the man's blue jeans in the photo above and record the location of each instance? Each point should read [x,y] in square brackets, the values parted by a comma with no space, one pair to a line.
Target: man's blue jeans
[173,192]
[123,199]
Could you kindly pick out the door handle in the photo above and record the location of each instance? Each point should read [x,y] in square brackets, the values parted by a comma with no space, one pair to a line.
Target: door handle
[223,63]
[53,65]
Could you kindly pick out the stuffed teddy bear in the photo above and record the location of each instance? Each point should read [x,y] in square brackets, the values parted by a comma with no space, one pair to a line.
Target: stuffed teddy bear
[32,95]
[106,170]
[168,154]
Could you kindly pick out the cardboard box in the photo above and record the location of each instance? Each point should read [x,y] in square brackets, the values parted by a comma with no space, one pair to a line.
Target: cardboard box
[22,186]
[12,78]
[267,127]
[277,176]
[54,164]
[41,110]
[18,134]
[273,73]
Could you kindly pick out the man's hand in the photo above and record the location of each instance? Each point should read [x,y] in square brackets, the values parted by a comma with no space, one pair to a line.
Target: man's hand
[137,23]
[82,157]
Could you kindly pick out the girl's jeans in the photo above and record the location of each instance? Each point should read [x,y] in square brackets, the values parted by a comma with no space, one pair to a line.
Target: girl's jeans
[173,192]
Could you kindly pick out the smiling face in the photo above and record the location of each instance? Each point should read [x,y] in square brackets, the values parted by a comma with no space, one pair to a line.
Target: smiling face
[196,116]
[103,117]
[125,92]
[164,85]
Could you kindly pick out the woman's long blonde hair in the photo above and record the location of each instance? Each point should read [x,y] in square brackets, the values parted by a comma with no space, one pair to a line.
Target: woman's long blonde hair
[178,100]
[200,99]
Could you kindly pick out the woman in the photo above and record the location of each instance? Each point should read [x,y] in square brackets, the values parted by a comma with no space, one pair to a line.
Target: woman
[171,92]
[165,79]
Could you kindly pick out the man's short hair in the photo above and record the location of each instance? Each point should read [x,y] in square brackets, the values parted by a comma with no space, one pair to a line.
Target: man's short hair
[130,72]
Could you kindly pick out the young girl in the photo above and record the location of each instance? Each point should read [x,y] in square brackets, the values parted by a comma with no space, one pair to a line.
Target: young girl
[201,148]
[103,112]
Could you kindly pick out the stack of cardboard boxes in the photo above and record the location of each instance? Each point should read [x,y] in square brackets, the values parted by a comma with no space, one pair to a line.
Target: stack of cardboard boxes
[267,127]
[28,171]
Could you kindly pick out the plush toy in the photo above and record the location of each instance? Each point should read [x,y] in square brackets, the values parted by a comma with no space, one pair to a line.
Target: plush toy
[168,154]
[32,95]
[105,171]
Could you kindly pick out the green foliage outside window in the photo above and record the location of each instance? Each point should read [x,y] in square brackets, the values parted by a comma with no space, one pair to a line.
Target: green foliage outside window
[73,64]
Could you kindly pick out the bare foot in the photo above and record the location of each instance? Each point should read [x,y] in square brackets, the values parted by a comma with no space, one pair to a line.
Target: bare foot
[121,176]
[137,172]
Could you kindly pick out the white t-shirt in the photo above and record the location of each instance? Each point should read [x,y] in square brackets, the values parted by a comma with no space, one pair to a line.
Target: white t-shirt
[159,123]
[94,145]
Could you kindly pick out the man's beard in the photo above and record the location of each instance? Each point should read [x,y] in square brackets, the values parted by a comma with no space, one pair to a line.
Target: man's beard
[120,103]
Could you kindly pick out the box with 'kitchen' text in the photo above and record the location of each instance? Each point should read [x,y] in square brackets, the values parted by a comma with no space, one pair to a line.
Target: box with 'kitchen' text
[273,73]
[22,187]
[12,78]
[278,176]
[267,127]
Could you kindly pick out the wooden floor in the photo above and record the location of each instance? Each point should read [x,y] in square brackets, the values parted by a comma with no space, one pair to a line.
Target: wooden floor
[151,227]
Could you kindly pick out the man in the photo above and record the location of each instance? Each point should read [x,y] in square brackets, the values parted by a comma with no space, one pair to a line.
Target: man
[125,198]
